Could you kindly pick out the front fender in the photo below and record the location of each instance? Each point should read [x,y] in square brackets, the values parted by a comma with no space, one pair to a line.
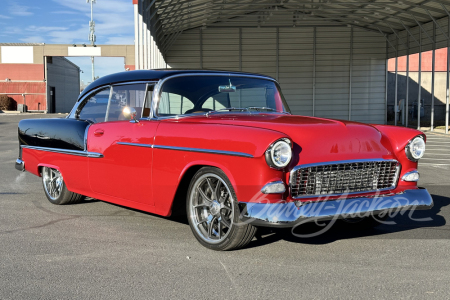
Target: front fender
[247,174]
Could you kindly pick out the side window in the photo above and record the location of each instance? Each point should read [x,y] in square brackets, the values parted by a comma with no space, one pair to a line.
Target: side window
[173,104]
[132,95]
[94,108]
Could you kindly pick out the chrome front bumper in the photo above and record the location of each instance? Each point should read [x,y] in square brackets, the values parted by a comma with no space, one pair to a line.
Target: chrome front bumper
[292,213]
[20,165]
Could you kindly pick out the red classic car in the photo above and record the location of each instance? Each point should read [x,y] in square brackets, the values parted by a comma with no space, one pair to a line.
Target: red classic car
[224,147]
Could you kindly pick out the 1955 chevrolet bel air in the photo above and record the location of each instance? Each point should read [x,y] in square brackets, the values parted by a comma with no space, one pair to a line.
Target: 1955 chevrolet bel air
[225,147]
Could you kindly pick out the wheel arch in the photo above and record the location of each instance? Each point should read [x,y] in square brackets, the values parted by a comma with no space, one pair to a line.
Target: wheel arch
[179,200]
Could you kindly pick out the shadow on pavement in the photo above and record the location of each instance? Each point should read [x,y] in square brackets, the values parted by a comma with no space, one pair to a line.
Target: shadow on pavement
[401,229]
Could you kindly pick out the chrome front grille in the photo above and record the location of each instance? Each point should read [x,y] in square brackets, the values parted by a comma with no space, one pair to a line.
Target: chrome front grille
[344,178]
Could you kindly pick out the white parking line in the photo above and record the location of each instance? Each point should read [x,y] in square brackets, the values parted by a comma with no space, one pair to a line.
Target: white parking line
[435,158]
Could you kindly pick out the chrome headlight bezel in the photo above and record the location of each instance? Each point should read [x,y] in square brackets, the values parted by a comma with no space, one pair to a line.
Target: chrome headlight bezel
[410,154]
[270,152]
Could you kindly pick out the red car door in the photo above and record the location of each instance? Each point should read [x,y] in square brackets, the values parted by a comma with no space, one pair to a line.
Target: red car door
[124,172]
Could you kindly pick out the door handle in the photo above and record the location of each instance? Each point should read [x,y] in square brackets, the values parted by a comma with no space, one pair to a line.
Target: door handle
[99,132]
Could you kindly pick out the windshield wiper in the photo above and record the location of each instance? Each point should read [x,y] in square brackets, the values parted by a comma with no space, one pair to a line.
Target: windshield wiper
[227,108]
[247,109]
[267,108]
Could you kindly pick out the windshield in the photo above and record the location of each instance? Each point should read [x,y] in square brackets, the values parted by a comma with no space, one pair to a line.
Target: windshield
[202,94]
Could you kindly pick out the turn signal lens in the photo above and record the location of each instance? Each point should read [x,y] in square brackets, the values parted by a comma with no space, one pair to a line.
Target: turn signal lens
[411,176]
[276,187]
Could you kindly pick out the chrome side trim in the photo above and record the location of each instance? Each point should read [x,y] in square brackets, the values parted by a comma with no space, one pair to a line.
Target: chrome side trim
[65,151]
[292,177]
[157,90]
[20,165]
[135,144]
[232,153]
[293,213]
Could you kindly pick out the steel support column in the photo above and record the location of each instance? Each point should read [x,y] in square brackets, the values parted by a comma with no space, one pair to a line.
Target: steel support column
[278,53]
[396,84]
[136,37]
[419,81]
[432,77]
[350,76]
[407,84]
[240,50]
[448,77]
[314,72]
[141,36]
[201,48]
[386,81]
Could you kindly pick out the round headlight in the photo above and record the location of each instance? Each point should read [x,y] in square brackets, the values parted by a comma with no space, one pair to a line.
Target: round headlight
[279,154]
[415,148]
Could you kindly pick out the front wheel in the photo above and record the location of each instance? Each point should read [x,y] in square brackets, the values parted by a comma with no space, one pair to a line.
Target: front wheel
[213,214]
[55,188]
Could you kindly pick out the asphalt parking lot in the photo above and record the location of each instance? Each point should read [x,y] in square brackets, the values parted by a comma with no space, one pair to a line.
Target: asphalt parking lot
[98,250]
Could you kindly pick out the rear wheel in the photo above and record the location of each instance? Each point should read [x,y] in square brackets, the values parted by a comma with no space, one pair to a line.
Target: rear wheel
[213,214]
[55,188]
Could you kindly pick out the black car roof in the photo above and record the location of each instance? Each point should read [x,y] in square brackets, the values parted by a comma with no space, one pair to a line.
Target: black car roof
[144,75]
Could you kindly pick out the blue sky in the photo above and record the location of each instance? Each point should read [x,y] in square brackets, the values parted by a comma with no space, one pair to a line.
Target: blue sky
[67,22]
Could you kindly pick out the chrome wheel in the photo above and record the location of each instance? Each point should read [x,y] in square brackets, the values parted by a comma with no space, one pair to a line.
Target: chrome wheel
[53,182]
[211,207]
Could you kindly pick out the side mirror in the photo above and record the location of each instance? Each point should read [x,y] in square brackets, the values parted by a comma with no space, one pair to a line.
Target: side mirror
[130,113]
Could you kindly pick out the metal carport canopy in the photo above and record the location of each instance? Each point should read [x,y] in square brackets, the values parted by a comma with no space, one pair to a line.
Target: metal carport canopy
[407,26]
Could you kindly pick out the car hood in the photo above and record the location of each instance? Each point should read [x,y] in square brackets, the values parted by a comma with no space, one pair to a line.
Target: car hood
[315,139]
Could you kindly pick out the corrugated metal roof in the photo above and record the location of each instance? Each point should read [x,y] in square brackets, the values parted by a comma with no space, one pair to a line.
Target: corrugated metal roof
[166,18]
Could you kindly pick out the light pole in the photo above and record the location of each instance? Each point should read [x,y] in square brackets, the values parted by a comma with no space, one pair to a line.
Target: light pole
[92,37]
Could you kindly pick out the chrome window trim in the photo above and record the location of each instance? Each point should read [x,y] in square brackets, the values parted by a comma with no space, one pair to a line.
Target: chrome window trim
[135,144]
[65,151]
[394,185]
[86,131]
[158,89]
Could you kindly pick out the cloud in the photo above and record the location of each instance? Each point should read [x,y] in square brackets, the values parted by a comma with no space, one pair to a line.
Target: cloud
[33,39]
[19,10]
[4,17]
[45,28]
[64,12]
